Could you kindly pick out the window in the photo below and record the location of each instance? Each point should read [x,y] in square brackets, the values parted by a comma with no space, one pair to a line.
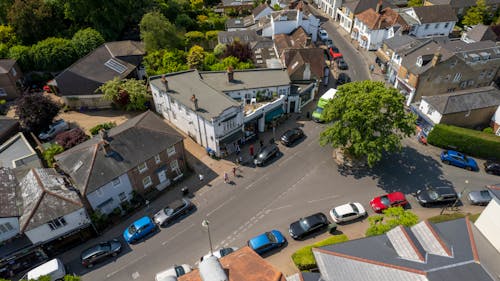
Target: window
[142,168]
[427,26]
[157,158]
[471,82]
[174,165]
[457,77]
[436,26]
[122,196]
[463,84]
[3,93]
[446,25]
[147,182]
[171,150]
[490,73]
[3,229]
[430,110]
[57,223]
[482,74]
[99,192]
[116,181]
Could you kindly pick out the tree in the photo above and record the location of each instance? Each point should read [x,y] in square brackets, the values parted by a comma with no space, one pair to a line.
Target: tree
[86,40]
[185,21]
[53,54]
[31,19]
[71,278]
[106,126]
[4,8]
[369,119]
[476,14]
[238,50]
[71,138]
[195,57]
[161,62]
[129,94]
[36,112]
[7,36]
[196,5]
[220,49]
[415,3]
[392,217]
[233,62]
[157,32]
[194,38]
[22,54]
[49,153]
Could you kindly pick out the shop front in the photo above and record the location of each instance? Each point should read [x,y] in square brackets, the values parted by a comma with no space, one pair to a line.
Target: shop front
[18,255]
[274,114]
[251,128]
[227,144]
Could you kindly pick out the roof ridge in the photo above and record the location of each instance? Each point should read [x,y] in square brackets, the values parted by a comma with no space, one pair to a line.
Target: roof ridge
[438,238]
[85,185]
[32,213]
[472,240]
[63,198]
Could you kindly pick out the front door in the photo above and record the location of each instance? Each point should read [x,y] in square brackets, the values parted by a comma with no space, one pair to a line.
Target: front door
[162,178]
[292,106]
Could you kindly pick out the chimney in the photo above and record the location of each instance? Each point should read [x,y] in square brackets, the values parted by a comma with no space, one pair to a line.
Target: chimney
[164,82]
[195,102]
[230,74]
[103,134]
[378,9]
[436,59]
[107,148]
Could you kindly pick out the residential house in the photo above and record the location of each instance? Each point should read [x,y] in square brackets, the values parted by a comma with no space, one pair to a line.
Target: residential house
[460,6]
[330,7]
[297,39]
[285,21]
[426,21]
[78,84]
[495,122]
[52,212]
[9,204]
[305,65]
[479,32]
[17,152]
[213,107]
[372,26]
[351,8]
[446,251]
[236,5]
[8,128]
[439,67]
[11,79]
[468,108]
[261,11]
[241,265]
[140,155]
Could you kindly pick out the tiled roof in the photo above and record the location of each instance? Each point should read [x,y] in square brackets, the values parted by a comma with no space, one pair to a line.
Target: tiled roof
[465,100]
[17,152]
[6,65]
[435,13]
[386,18]
[358,6]
[481,32]
[244,22]
[296,59]
[298,38]
[259,9]
[8,194]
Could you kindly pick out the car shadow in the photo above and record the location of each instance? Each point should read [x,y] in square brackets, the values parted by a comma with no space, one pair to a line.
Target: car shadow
[360,219]
[295,143]
[274,251]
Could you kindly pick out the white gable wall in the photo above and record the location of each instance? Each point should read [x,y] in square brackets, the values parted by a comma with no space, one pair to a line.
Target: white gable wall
[432,29]
[7,223]
[430,112]
[489,224]
[107,197]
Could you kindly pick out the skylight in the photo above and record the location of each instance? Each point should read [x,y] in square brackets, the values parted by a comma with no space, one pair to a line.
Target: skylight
[116,66]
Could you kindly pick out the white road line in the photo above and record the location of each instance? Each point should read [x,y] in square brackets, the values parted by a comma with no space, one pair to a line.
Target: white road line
[177,234]
[220,206]
[279,208]
[125,266]
[286,160]
[325,198]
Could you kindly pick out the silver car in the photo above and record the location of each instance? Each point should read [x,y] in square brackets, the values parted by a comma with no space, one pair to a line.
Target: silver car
[173,272]
[173,211]
[54,129]
[482,197]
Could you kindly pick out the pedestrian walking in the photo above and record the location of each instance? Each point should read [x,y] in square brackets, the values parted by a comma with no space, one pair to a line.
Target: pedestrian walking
[234,171]
[238,150]
[226,178]
[261,143]
[251,149]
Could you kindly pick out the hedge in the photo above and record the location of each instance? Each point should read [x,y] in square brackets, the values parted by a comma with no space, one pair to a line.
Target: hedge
[468,141]
[304,258]
[106,126]
[453,216]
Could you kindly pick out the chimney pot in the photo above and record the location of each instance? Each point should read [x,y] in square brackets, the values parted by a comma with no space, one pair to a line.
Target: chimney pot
[103,134]
[165,82]
[230,74]
[195,102]
[436,59]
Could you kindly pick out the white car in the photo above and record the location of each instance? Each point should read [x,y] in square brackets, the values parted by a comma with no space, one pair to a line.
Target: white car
[175,271]
[221,252]
[323,34]
[54,129]
[347,212]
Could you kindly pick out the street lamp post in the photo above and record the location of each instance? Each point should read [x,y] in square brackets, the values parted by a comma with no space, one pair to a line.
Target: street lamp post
[206,223]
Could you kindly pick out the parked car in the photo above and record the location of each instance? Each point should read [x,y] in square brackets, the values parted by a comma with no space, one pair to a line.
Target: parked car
[436,195]
[100,252]
[139,229]
[220,252]
[54,129]
[265,154]
[291,136]
[267,241]
[458,159]
[329,43]
[307,225]
[343,79]
[341,64]
[481,197]
[347,212]
[172,211]
[323,34]
[334,49]
[174,271]
[492,167]
[383,202]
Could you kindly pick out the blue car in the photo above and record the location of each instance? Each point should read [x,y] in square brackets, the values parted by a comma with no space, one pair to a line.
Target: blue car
[139,229]
[458,159]
[267,241]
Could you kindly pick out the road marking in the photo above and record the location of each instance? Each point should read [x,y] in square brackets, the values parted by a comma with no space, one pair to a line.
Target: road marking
[326,198]
[220,206]
[279,208]
[125,266]
[177,234]
[135,275]
[264,176]
[286,160]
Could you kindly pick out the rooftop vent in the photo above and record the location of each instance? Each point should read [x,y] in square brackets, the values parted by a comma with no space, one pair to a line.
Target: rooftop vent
[211,270]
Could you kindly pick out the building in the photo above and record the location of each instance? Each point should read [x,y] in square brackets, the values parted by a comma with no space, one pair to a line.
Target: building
[17,152]
[479,32]
[286,21]
[213,107]
[495,122]
[349,9]
[427,21]
[330,7]
[11,79]
[78,83]
[236,5]
[460,6]
[469,108]
[261,11]
[140,155]
[10,210]
[8,128]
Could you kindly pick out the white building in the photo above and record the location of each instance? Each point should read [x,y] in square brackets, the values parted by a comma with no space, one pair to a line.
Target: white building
[330,7]
[426,21]
[213,107]
[349,9]
[285,21]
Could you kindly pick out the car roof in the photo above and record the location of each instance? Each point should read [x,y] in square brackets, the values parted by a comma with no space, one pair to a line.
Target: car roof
[344,209]
[142,222]
[315,217]
[444,189]
[268,147]
[92,250]
[259,241]
[455,153]
[397,195]
[176,204]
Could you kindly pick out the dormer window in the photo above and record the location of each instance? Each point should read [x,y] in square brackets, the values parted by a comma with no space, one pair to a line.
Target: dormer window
[484,55]
[474,57]
[420,61]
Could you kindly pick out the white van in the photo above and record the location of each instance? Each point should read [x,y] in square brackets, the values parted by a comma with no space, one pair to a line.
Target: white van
[53,268]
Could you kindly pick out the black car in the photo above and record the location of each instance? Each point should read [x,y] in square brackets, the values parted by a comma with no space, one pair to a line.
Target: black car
[492,168]
[481,197]
[265,153]
[437,195]
[291,136]
[99,252]
[341,64]
[343,79]
[307,225]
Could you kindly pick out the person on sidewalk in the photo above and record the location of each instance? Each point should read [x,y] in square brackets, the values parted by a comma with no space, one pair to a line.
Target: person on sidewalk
[251,150]
[234,171]
[238,150]
[226,178]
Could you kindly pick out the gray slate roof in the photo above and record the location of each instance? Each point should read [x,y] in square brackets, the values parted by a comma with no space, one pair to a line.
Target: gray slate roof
[481,32]
[259,9]
[435,13]
[6,65]
[429,48]
[403,42]
[243,36]
[7,127]
[16,152]
[8,193]
[133,142]
[209,87]
[465,100]
[424,252]
[240,22]
[358,6]
[45,197]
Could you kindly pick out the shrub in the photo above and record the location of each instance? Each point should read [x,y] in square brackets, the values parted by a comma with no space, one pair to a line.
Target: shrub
[392,217]
[50,152]
[464,140]
[106,126]
[71,138]
[99,220]
[488,130]
[304,258]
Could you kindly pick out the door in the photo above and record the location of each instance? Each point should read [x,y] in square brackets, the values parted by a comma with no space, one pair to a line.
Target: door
[162,178]
[292,106]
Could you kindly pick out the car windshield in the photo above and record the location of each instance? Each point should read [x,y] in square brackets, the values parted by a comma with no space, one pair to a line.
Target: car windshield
[271,237]
[354,208]
[385,200]
[305,224]
[179,270]
[168,211]
[319,109]
[335,213]
[485,194]
[105,247]
[132,229]
[225,251]
[433,194]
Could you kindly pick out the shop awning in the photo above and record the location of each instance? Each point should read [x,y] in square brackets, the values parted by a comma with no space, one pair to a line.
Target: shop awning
[273,114]
[231,137]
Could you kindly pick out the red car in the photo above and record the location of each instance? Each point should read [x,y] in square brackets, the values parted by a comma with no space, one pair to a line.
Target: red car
[383,202]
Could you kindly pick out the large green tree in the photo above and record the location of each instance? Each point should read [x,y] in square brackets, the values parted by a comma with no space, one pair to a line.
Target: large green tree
[476,14]
[163,61]
[53,54]
[128,94]
[195,57]
[369,119]
[31,19]
[36,112]
[157,32]
[415,3]
[86,40]
[22,54]
[390,218]
[4,8]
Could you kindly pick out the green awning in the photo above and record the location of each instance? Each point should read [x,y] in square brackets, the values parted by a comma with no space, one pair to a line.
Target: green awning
[273,114]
